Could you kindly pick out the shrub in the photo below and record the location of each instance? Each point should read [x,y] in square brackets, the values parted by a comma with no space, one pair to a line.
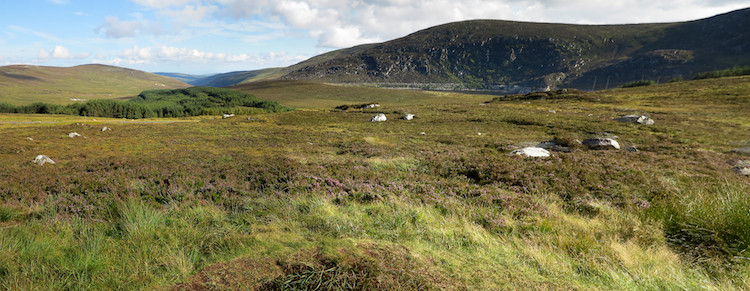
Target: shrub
[639,83]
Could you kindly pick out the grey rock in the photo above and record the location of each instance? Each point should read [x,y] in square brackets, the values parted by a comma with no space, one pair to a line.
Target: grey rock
[601,144]
[631,149]
[380,117]
[73,134]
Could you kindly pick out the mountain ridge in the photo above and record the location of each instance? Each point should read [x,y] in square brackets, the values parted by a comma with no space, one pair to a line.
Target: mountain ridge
[518,56]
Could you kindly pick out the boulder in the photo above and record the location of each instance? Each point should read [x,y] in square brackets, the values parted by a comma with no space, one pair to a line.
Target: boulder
[225,116]
[106,129]
[531,152]
[637,119]
[73,134]
[43,159]
[601,144]
[408,117]
[380,117]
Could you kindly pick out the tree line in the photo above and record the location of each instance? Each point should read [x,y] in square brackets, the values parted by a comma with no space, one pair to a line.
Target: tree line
[192,101]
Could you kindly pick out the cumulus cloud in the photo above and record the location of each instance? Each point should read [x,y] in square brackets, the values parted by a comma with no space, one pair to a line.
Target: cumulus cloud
[60,52]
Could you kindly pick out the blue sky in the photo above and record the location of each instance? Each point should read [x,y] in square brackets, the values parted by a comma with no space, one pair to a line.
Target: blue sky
[216,36]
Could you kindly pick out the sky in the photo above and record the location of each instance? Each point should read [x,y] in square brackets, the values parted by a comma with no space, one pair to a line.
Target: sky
[217,36]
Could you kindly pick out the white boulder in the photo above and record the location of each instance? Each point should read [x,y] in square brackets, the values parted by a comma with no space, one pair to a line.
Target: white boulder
[531,152]
[106,129]
[73,134]
[601,144]
[225,116]
[408,117]
[637,119]
[43,159]
[380,117]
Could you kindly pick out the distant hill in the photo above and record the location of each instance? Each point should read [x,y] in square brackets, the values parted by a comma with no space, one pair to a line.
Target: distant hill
[523,56]
[23,84]
[187,78]
[239,77]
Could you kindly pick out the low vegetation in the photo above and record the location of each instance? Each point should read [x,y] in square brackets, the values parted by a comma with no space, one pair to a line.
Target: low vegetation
[193,101]
[639,83]
[735,71]
[324,199]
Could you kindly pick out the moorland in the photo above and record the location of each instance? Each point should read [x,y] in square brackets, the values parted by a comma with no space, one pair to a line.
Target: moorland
[322,198]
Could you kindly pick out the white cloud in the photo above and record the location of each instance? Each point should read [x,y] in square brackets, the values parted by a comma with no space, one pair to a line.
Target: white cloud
[58,2]
[116,28]
[61,53]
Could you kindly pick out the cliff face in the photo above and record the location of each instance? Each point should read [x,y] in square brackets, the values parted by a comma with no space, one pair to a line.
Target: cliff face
[530,56]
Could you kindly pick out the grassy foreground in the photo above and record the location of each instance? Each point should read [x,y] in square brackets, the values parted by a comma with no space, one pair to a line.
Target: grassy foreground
[324,199]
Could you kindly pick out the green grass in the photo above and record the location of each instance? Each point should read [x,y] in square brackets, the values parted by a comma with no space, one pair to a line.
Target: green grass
[323,198]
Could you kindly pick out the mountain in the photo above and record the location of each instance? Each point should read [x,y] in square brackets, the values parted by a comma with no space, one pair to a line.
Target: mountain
[23,84]
[187,78]
[239,77]
[524,56]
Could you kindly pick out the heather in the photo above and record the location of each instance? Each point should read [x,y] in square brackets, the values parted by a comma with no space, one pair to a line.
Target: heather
[324,199]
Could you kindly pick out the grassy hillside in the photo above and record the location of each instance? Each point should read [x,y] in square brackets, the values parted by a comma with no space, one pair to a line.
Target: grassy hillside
[323,198]
[28,84]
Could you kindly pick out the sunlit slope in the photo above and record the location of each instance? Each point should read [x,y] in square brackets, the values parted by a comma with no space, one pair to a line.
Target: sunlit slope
[22,84]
